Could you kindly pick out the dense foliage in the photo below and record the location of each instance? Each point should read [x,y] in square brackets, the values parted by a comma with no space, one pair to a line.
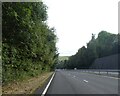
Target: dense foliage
[28,43]
[104,45]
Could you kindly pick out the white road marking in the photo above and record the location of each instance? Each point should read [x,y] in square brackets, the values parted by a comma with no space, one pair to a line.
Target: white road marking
[85,81]
[44,92]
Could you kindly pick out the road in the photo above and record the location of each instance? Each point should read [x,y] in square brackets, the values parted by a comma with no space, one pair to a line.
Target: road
[75,82]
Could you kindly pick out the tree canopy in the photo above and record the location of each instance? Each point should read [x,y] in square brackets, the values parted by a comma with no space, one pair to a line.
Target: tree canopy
[28,43]
[104,45]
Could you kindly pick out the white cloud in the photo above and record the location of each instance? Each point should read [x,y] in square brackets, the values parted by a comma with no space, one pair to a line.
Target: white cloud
[76,20]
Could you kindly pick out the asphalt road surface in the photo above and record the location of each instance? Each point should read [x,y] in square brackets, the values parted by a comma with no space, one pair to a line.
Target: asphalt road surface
[75,82]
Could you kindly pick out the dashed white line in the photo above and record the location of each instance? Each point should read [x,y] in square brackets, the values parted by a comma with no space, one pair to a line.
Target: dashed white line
[85,81]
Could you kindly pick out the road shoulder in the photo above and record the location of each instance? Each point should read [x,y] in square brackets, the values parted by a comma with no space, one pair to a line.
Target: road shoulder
[27,86]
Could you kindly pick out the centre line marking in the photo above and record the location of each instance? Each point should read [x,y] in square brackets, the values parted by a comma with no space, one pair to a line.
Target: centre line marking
[85,81]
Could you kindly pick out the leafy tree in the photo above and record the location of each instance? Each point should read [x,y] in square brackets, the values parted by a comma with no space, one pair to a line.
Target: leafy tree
[28,43]
[104,45]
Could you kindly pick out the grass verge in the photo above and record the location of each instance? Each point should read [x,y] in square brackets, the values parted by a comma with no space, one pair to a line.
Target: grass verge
[27,86]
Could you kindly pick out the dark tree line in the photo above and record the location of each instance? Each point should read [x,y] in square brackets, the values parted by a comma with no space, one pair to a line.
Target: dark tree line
[28,43]
[104,45]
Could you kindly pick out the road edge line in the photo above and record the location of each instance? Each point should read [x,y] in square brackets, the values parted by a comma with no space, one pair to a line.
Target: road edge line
[46,88]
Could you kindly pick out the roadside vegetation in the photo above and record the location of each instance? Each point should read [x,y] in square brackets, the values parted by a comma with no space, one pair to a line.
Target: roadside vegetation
[28,43]
[27,86]
[61,61]
[105,44]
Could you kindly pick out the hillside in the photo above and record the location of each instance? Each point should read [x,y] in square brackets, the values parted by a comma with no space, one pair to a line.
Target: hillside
[62,58]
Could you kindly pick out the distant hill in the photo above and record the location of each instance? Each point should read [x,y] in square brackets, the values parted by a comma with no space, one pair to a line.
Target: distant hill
[62,58]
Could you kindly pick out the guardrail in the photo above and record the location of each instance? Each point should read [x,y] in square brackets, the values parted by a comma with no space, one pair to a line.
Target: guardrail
[102,72]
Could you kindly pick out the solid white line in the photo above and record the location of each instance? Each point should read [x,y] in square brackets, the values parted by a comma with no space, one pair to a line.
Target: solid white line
[44,92]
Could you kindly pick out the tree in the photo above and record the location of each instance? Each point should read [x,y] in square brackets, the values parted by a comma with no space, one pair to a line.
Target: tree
[105,44]
[28,43]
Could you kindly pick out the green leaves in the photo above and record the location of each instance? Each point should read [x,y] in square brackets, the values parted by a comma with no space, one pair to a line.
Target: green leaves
[104,45]
[28,43]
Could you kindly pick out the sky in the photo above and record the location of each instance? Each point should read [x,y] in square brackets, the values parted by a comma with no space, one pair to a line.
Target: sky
[76,20]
